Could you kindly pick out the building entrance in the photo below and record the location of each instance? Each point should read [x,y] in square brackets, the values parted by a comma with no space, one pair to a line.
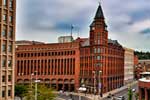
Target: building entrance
[66,87]
[72,87]
[60,87]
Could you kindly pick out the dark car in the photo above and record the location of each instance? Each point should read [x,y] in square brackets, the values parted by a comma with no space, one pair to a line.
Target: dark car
[110,95]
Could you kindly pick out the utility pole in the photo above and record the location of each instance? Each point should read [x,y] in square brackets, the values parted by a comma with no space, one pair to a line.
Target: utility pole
[31,79]
[100,84]
[36,85]
[94,85]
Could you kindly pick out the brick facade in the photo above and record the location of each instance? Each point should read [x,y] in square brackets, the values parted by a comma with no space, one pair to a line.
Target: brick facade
[69,65]
[144,87]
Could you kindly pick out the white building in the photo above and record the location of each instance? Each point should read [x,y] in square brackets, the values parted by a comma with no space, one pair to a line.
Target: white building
[128,65]
[65,39]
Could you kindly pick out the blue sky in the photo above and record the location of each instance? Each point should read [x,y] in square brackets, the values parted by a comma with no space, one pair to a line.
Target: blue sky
[45,20]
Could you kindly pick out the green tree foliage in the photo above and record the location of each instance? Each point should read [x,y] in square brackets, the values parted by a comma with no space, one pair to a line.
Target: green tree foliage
[21,91]
[136,96]
[142,55]
[28,92]
[43,93]
[130,93]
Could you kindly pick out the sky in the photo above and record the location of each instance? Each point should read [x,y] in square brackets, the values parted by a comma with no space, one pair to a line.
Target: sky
[128,21]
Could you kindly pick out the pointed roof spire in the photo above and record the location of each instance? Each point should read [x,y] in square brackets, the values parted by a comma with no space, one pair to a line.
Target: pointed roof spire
[99,12]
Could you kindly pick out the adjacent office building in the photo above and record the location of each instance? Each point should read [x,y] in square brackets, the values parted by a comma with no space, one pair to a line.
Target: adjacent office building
[7,50]
[128,65]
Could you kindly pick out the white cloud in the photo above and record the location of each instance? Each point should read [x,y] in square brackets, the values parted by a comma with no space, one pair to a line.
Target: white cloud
[140,26]
[38,17]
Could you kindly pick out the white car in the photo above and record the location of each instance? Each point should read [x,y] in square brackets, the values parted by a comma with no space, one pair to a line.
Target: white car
[121,98]
[133,90]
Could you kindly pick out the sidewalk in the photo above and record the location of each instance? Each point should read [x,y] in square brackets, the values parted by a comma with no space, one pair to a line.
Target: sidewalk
[96,97]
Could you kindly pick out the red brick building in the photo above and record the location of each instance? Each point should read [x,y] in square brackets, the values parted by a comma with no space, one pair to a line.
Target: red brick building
[69,65]
[136,60]
[138,70]
[144,86]
[143,66]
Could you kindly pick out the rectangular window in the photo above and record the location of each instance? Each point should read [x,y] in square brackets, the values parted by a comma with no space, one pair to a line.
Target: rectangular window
[9,78]
[98,34]
[4,17]
[4,62]
[98,41]
[9,63]
[4,2]
[4,33]
[10,48]
[4,47]
[95,50]
[10,19]
[3,78]
[11,4]
[9,93]
[10,33]
[99,64]
[98,57]
[98,50]
[3,93]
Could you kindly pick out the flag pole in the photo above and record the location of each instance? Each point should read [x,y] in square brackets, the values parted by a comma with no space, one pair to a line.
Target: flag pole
[71,31]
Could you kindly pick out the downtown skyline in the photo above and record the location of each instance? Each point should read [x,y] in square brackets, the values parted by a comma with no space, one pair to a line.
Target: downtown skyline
[128,21]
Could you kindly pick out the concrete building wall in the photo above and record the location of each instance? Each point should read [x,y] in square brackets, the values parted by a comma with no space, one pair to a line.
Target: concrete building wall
[129,65]
[7,50]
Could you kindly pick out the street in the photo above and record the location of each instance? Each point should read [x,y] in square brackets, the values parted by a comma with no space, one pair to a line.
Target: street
[67,96]
[125,93]
[73,96]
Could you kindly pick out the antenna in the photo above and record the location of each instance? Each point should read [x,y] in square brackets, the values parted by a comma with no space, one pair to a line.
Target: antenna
[99,2]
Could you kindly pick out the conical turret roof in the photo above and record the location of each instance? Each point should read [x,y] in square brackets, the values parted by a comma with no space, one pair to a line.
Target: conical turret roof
[99,12]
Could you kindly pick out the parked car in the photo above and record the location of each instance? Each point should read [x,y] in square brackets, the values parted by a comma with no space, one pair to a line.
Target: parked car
[110,95]
[121,98]
[133,90]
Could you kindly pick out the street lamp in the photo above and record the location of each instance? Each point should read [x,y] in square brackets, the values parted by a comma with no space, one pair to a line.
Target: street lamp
[94,83]
[100,84]
[36,85]
[31,79]
[82,88]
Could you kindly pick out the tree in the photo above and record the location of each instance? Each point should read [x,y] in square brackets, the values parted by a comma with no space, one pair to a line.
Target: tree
[130,93]
[43,93]
[136,96]
[21,91]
